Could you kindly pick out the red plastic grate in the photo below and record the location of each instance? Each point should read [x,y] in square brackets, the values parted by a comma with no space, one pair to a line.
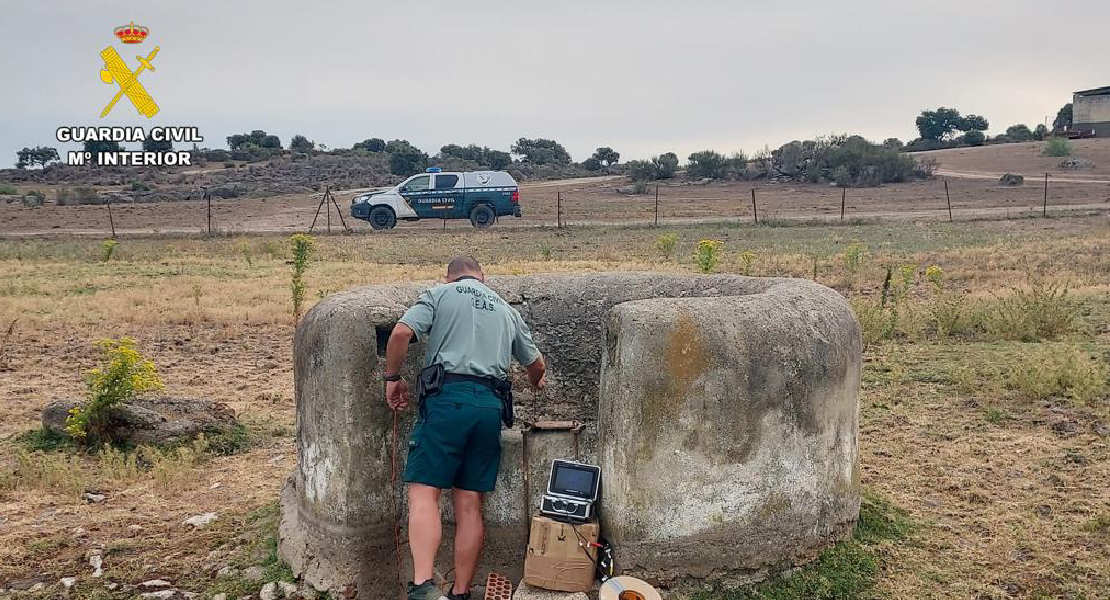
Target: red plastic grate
[498,588]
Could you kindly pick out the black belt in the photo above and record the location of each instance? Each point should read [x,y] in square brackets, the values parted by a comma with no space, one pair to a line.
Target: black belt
[432,378]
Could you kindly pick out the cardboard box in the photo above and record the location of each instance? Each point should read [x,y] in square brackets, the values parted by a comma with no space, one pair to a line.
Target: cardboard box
[559,555]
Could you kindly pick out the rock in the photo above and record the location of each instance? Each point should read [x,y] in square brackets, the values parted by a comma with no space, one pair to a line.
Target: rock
[200,520]
[220,596]
[527,592]
[24,584]
[68,582]
[1011,179]
[112,586]
[253,573]
[37,587]
[158,421]
[215,486]
[96,562]
[227,572]
[269,591]
[94,498]
[153,583]
[288,590]
[1076,164]
[162,595]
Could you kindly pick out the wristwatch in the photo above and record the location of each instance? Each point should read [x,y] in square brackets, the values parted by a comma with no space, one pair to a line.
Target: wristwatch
[392,377]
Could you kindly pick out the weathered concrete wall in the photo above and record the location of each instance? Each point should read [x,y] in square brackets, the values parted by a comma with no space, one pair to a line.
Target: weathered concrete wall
[1090,110]
[728,431]
[337,517]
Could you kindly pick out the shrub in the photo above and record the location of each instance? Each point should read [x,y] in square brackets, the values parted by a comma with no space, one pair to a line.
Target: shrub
[1019,133]
[1043,312]
[666,243]
[302,247]
[707,255]
[33,199]
[975,138]
[747,257]
[8,189]
[641,170]
[1057,147]
[107,247]
[123,375]
[707,163]
[1059,370]
[854,255]
[665,165]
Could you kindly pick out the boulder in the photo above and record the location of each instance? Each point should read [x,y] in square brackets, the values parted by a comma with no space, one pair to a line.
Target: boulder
[1011,179]
[158,421]
[1074,164]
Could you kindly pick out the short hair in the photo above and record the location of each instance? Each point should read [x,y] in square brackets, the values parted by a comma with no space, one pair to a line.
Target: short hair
[461,265]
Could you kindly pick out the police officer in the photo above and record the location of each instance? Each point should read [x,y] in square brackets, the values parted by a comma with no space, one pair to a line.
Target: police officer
[456,444]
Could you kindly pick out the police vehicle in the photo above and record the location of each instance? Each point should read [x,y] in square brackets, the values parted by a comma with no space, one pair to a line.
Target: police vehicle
[480,196]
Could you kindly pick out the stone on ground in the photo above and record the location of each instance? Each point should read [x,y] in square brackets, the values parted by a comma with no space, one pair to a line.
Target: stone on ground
[1011,179]
[527,592]
[152,420]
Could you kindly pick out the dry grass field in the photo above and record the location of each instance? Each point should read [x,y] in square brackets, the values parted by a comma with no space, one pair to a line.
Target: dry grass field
[972,175]
[984,415]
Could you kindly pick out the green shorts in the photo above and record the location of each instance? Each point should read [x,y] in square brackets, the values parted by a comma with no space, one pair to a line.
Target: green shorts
[457,444]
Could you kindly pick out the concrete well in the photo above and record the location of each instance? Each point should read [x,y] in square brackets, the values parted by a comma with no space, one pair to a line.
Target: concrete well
[727,418]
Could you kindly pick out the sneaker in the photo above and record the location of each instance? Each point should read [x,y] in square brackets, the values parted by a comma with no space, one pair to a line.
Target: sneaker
[424,591]
[454,596]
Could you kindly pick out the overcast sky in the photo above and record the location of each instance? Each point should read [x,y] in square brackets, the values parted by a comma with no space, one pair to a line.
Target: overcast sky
[642,76]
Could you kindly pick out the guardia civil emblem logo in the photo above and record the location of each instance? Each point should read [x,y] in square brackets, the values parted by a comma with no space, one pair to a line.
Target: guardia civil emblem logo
[116,71]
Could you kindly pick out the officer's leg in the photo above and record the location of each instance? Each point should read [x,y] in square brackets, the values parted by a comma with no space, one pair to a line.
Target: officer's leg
[469,534]
[425,529]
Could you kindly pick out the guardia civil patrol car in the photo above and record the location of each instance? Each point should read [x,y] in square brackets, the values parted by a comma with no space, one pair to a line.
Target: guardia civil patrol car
[480,196]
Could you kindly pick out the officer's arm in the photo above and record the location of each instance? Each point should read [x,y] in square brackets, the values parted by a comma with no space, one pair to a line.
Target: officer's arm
[536,372]
[397,348]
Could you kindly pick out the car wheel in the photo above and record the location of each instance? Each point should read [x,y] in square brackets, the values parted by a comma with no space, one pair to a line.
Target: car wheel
[382,217]
[482,216]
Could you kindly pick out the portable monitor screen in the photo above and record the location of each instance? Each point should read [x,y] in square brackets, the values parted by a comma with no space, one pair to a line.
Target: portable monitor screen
[574,480]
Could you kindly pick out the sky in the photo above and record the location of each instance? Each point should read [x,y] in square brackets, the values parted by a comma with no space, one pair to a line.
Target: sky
[641,76]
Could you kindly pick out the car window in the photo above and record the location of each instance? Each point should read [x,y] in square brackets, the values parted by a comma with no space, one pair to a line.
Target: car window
[418,184]
[446,182]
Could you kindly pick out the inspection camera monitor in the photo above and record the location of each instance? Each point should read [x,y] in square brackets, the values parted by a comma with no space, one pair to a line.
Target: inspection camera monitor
[572,490]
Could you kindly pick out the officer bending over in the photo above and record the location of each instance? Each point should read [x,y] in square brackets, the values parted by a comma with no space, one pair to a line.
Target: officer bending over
[464,394]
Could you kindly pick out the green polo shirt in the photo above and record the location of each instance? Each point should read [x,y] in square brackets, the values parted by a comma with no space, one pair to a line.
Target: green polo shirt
[470,329]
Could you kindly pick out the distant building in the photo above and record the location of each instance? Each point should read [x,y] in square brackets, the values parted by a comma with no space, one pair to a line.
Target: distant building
[1091,111]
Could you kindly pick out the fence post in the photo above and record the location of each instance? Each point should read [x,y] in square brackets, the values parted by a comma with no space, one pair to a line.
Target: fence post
[843,201]
[949,197]
[657,205]
[559,210]
[327,196]
[755,211]
[111,221]
[208,199]
[1044,211]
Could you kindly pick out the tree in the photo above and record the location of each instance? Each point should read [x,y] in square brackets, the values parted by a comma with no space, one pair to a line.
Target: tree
[301,144]
[591,164]
[102,147]
[258,138]
[494,159]
[39,155]
[642,170]
[975,123]
[707,163]
[1040,133]
[371,145]
[404,158]
[541,151]
[943,123]
[1063,117]
[607,156]
[975,138]
[1019,133]
[665,165]
[893,143]
[151,145]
